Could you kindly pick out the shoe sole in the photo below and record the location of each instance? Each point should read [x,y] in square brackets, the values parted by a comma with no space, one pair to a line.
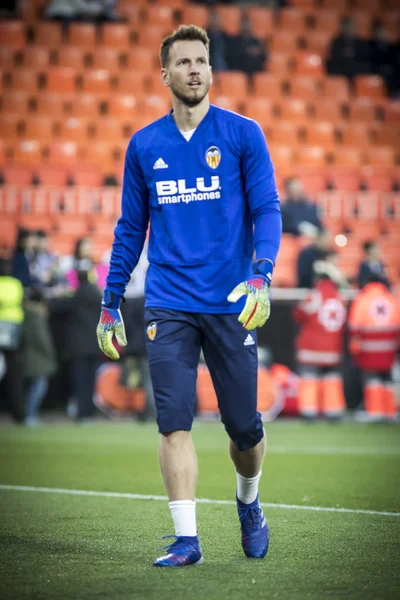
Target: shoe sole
[198,563]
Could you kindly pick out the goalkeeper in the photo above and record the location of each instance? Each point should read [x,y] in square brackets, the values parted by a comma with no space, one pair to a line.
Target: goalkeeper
[204,178]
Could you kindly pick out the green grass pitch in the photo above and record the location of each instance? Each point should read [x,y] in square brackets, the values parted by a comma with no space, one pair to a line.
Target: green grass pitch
[66,546]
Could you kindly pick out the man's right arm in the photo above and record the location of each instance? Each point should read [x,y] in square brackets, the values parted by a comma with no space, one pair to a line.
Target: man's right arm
[130,233]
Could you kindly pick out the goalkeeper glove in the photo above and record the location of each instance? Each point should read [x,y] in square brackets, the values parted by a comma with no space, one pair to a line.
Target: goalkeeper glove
[110,324]
[257,308]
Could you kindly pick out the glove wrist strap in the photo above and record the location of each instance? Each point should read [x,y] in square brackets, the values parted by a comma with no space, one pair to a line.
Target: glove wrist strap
[264,267]
[111,299]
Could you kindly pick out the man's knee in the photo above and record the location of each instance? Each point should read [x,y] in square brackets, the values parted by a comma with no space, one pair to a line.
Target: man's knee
[245,435]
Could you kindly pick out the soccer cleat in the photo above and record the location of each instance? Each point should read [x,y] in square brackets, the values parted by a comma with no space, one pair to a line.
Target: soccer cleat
[255,533]
[184,551]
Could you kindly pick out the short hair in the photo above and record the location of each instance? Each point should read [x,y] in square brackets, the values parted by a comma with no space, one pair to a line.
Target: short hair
[368,245]
[183,33]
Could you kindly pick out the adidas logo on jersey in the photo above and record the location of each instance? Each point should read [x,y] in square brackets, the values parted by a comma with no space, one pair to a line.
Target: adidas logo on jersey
[249,341]
[160,164]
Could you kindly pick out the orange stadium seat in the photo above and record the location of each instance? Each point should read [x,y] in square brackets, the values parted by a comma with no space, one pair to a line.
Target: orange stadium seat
[150,37]
[155,106]
[371,6]
[63,153]
[96,81]
[17,175]
[311,156]
[391,111]
[232,83]
[260,109]
[230,18]
[348,157]
[305,88]
[283,159]
[8,231]
[308,63]
[355,134]
[75,130]
[116,35]
[48,34]
[157,14]
[83,105]
[327,21]
[61,80]
[7,58]
[142,59]
[71,225]
[87,176]
[283,132]
[82,34]
[36,57]
[349,182]
[369,86]
[131,82]
[339,5]
[387,135]
[15,102]
[51,105]
[279,63]
[377,182]
[302,3]
[313,179]
[336,87]
[30,221]
[321,133]
[73,57]
[39,128]
[121,105]
[101,155]
[62,245]
[317,42]
[10,126]
[381,156]
[268,86]
[193,13]
[362,109]
[262,21]
[109,129]
[12,34]
[2,152]
[292,20]
[283,41]
[294,110]
[327,109]
[226,102]
[52,175]
[105,58]
[25,79]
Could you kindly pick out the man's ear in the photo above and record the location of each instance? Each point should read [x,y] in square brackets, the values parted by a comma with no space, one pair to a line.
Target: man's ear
[165,77]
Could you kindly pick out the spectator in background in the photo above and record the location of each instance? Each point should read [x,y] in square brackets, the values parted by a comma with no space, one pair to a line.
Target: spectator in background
[308,256]
[371,265]
[246,53]
[299,215]
[321,318]
[45,266]
[381,56]
[81,10]
[39,354]
[11,319]
[23,257]
[82,313]
[83,261]
[219,43]
[348,53]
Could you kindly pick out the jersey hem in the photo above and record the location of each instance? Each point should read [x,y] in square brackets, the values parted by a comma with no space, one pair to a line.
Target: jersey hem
[199,309]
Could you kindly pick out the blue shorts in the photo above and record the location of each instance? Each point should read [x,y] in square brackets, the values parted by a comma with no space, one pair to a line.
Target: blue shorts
[174,341]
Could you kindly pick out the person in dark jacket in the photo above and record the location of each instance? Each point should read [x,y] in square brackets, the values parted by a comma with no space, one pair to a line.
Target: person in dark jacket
[39,355]
[218,43]
[371,265]
[246,52]
[21,263]
[299,215]
[348,53]
[82,314]
[308,256]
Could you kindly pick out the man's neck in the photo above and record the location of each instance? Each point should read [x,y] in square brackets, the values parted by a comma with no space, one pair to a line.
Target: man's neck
[188,118]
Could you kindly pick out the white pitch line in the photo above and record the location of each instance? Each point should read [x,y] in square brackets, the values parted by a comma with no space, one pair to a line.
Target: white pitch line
[352,450]
[26,488]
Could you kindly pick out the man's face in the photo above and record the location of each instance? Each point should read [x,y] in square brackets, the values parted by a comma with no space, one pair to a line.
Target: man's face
[374,253]
[295,190]
[188,72]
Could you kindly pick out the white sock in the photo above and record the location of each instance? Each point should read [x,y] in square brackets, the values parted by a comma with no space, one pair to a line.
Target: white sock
[247,488]
[184,516]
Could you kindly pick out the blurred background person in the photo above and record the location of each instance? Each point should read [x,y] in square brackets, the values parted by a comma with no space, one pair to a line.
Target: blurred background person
[374,324]
[381,56]
[219,43]
[371,264]
[81,311]
[82,10]
[308,255]
[46,267]
[39,355]
[299,215]
[319,344]
[11,320]
[22,262]
[348,54]
[83,261]
[246,52]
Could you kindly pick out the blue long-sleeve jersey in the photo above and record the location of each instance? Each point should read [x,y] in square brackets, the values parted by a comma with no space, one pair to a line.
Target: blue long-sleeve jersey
[211,201]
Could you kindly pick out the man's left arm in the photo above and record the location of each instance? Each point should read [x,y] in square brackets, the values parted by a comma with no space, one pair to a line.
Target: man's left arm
[263,200]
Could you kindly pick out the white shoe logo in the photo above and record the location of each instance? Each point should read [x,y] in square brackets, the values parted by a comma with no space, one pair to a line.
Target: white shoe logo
[249,341]
[160,164]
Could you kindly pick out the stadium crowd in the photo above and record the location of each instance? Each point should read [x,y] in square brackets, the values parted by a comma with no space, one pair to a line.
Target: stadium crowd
[49,304]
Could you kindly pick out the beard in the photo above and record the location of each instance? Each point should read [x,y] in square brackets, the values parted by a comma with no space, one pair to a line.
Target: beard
[190,100]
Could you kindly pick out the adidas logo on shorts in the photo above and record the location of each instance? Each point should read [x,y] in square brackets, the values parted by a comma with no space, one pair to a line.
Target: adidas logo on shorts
[160,164]
[249,341]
